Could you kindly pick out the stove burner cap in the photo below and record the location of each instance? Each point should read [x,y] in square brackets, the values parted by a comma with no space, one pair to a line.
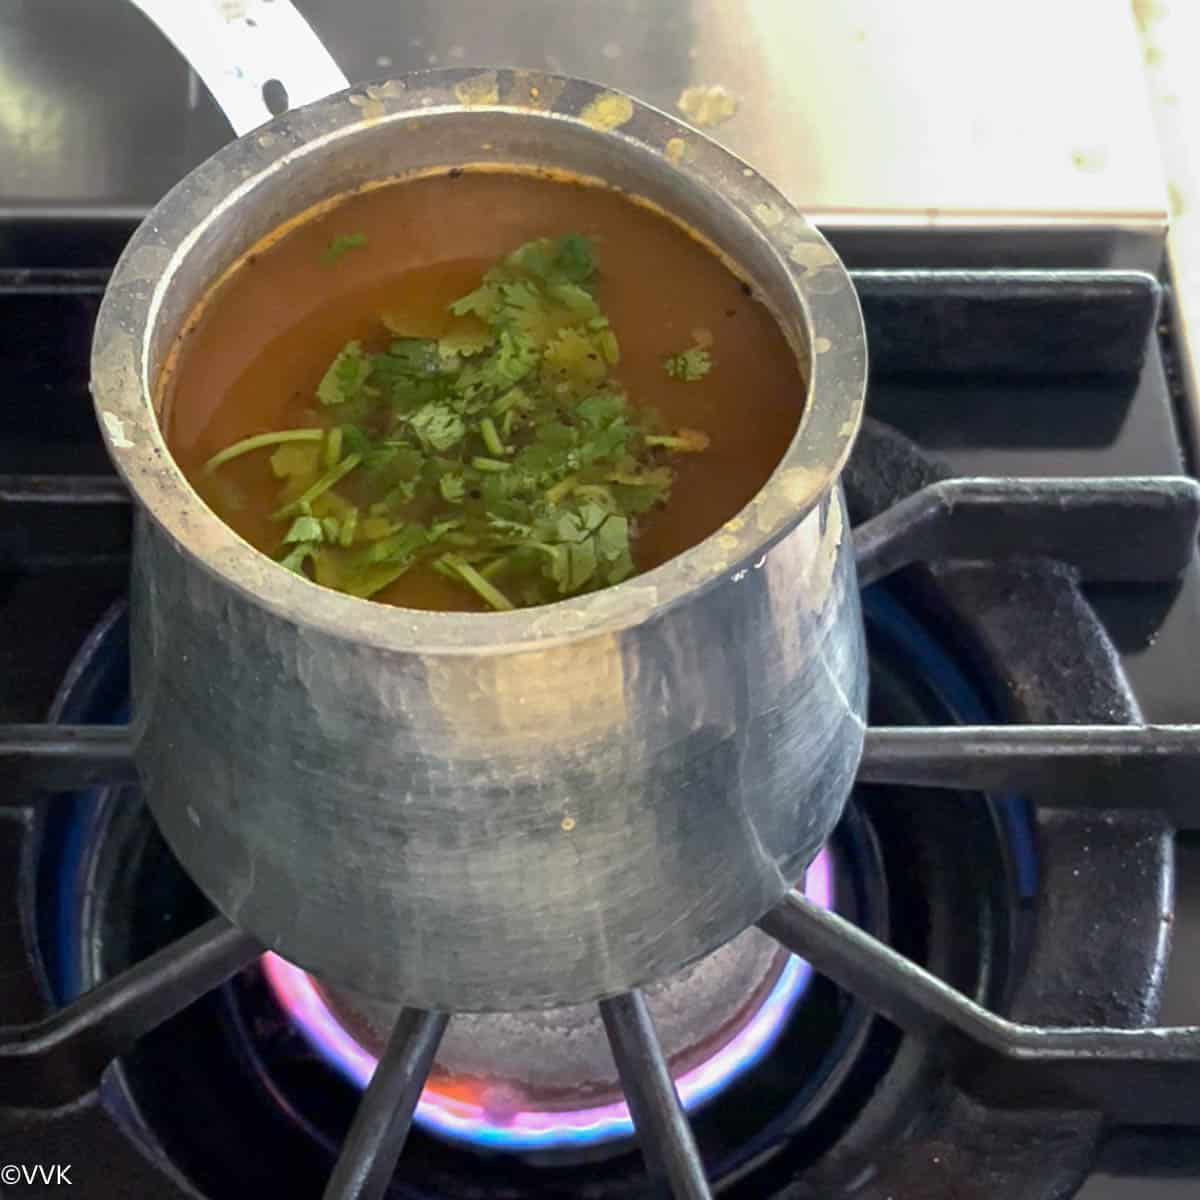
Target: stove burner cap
[540,1081]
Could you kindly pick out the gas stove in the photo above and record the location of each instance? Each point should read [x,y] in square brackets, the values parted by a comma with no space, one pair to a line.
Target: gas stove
[971,994]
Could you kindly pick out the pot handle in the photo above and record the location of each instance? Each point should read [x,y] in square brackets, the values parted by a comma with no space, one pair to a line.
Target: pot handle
[258,58]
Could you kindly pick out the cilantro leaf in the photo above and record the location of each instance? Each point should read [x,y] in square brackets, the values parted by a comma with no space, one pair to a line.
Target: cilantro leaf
[298,556]
[438,426]
[355,440]
[601,409]
[574,260]
[688,365]
[460,343]
[482,302]
[318,488]
[579,301]
[416,356]
[534,258]
[397,547]
[515,357]
[452,487]
[575,357]
[346,376]
[297,459]
[567,260]
[304,529]
[364,580]
[342,244]
[523,309]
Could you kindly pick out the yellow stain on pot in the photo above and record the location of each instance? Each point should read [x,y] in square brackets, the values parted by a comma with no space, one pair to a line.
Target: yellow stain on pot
[706,105]
[767,215]
[370,107]
[811,255]
[478,90]
[390,89]
[608,111]
[531,89]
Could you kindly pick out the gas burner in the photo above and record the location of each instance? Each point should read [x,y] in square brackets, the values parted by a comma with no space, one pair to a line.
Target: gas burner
[796,1062]
[211,1087]
[542,1080]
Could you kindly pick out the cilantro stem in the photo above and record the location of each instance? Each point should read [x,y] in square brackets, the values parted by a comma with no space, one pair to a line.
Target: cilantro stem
[686,441]
[562,488]
[596,492]
[489,464]
[333,446]
[477,583]
[319,488]
[378,579]
[491,437]
[259,442]
[492,569]
[349,528]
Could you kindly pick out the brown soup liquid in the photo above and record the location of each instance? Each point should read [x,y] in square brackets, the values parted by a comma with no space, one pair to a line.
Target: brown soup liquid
[251,358]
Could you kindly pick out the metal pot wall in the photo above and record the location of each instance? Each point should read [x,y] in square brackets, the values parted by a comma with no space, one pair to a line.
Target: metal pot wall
[492,811]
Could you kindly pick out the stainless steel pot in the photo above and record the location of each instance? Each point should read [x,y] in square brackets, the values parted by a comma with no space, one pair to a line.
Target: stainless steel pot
[492,811]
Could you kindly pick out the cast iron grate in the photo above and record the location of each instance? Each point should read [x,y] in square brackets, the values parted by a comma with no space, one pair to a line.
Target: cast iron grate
[1146,1076]
[986,326]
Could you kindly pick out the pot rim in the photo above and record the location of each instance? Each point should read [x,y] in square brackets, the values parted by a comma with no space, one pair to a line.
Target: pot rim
[817,283]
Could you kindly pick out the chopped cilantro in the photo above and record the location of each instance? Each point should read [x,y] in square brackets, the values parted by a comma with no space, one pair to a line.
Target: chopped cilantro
[688,365]
[454,565]
[438,426]
[295,559]
[355,440]
[491,437]
[415,356]
[304,529]
[462,342]
[566,260]
[399,546]
[342,244]
[574,261]
[332,449]
[577,357]
[683,441]
[346,377]
[259,442]
[502,454]
[482,302]
[452,487]
[320,486]
[580,301]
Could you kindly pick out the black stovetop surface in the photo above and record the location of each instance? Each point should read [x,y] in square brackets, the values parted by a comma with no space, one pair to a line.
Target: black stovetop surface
[1042,375]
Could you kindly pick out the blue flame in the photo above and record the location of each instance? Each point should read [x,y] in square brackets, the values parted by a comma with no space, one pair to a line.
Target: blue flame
[467,1111]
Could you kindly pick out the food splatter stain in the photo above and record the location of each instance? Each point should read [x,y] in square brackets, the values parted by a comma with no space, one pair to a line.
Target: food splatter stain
[609,110]
[707,105]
